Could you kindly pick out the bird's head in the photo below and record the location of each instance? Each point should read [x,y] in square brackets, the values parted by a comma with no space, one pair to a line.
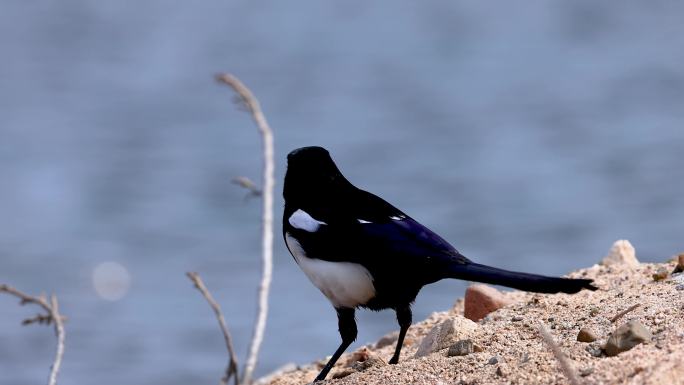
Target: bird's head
[312,175]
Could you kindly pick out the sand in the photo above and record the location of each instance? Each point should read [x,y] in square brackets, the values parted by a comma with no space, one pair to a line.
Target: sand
[513,352]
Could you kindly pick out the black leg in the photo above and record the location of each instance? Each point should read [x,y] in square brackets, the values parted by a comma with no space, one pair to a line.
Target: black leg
[404,318]
[347,325]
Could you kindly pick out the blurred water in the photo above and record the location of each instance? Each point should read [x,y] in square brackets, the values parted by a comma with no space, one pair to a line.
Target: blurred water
[531,135]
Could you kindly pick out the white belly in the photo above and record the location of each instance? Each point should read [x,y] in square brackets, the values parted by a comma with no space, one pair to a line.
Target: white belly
[345,284]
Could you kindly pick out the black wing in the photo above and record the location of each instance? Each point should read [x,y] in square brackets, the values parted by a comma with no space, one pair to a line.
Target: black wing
[372,232]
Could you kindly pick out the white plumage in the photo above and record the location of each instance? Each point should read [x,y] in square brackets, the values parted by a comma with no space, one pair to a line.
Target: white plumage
[301,220]
[346,284]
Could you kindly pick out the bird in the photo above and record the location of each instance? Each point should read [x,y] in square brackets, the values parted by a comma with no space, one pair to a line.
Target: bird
[362,252]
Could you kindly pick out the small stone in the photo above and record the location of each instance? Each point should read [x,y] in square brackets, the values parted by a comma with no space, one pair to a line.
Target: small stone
[594,350]
[586,335]
[525,358]
[461,348]
[517,318]
[622,253]
[359,356]
[481,300]
[626,337]
[680,287]
[680,264]
[594,311]
[660,274]
[586,371]
[371,362]
[493,361]
[445,334]
[477,348]
[501,371]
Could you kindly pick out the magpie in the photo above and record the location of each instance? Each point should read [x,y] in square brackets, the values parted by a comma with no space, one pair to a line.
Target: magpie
[362,252]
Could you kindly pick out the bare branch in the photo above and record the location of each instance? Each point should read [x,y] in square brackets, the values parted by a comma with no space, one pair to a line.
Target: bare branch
[247,184]
[52,316]
[232,368]
[566,365]
[622,313]
[253,106]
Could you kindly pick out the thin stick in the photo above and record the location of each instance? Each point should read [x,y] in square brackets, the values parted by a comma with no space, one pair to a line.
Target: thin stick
[566,365]
[53,316]
[248,185]
[622,313]
[267,218]
[232,368]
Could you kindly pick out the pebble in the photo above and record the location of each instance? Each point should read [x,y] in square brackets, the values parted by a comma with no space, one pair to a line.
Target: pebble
[461,348]
[493,361]
[371,362]
[586,335]
[660,274]
[621,253]
[517,318]
[443,335]
[594,350]
[626,337]
[594,311]
[360,355]
[680,287]
[586,371]
[481,300]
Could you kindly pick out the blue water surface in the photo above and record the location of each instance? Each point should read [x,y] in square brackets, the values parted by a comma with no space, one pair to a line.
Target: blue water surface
[530,135]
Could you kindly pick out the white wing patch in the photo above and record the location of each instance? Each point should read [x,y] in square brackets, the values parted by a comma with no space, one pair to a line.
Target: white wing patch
[362,221]
[346,284]
[301,220]
[398,217]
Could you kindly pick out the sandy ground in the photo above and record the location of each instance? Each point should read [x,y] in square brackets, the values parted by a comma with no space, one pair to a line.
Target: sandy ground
[513,352]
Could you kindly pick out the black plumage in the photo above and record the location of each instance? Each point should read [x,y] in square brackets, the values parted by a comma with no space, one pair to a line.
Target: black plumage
[361,251]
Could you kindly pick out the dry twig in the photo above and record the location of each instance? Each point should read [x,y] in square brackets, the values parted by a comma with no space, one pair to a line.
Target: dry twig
[232,368]
[622,313]
[566,365]
[253,106]
[246,183]
[52,316]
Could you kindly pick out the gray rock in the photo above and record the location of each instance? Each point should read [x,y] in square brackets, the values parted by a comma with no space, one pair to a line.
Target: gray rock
[626,337]
[586,335]
[594,350]
[493,361]
[461,348]
[445,334]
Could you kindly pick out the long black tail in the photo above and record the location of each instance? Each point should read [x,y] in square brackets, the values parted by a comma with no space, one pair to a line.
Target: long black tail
[522,281]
